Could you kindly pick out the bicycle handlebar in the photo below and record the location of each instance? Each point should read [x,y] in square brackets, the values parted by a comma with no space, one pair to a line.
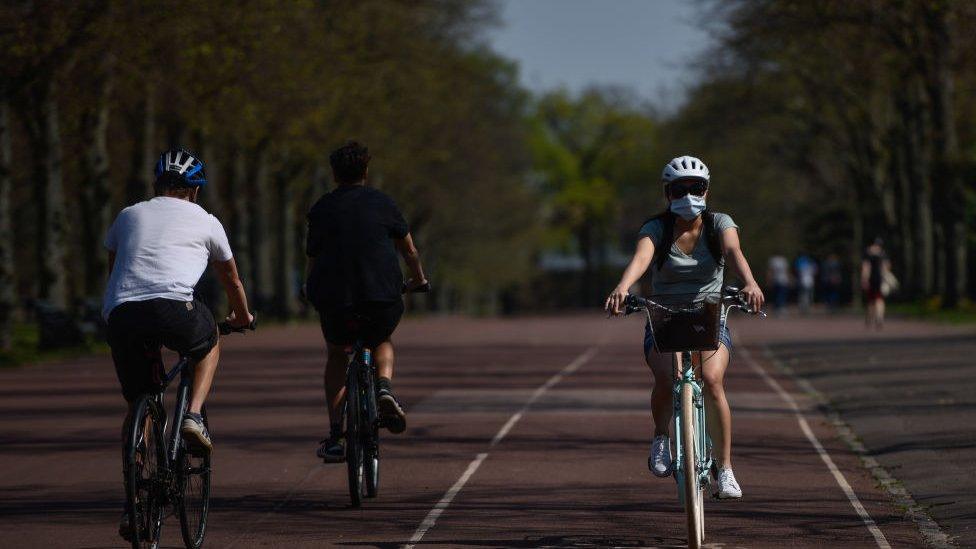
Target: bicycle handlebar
[422,289]
[225,328]
[634,303]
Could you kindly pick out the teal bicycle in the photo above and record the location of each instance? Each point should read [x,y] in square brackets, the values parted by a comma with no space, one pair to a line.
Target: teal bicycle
[687,325]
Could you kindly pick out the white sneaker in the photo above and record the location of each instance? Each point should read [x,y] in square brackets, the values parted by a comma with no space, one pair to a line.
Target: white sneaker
[659,462]
[728,488]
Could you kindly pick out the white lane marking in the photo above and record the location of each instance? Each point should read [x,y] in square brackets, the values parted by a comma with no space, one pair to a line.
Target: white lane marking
[550,383]
[879,537]
[935,538]
[445,501]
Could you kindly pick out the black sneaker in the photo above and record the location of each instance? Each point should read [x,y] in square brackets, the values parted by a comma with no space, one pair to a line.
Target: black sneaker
[195,433]
[125,529]
[332,449]
[391,413]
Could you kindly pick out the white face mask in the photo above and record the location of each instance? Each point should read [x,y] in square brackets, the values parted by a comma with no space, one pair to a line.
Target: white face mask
[688,206]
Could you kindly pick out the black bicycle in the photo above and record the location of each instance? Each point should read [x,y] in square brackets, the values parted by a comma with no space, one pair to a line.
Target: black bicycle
[163,473]
[363,422]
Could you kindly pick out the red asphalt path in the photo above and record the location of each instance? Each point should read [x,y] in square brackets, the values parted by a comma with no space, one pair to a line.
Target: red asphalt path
[568,471]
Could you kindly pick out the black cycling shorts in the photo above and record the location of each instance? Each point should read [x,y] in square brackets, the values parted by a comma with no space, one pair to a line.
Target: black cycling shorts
[372,322]
[137,331]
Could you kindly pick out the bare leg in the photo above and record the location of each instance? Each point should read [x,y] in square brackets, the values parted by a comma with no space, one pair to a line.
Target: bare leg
[879,305]
[203,378]
[872,313]
[383,359]
[335,380]
[661,402]
[718,415]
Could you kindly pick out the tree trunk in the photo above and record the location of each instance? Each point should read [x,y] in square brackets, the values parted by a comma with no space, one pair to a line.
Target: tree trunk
[8,298]
[238,187]
[260,221]
[903,199]
[938,236]
[917,156]
[143,151]
[95,195]
[856,254]
[285,243]
[951,203]
[45,136]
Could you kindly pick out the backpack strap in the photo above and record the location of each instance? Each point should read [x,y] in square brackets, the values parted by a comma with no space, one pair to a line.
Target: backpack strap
[712,237]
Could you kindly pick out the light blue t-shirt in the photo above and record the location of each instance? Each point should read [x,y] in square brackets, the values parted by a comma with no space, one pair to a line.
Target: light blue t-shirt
[682,273]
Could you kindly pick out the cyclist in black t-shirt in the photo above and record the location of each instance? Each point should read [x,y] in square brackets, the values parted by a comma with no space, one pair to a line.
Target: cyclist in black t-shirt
[354,281]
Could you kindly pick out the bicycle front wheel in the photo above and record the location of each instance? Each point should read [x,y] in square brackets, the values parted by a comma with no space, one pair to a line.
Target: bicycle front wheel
[145,454]
[692,489]
[194,498]
[354,438]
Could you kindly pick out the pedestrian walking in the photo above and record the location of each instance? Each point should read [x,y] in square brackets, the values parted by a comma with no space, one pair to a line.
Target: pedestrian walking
[876,281]
[806,276]
[778,277]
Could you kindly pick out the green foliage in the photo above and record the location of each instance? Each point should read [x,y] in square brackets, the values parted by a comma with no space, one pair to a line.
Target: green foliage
[24,350]
[282,84]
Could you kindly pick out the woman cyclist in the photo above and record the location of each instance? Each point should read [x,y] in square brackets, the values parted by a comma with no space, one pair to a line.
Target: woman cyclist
[693,244]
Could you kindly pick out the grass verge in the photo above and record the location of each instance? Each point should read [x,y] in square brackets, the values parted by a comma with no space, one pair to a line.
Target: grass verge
[932,310]
[24,350]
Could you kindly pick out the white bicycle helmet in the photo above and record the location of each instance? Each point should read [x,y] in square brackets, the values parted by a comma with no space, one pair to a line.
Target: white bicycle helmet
[685,167]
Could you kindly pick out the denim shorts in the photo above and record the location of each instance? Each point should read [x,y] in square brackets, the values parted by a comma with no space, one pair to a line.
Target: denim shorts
[724,337]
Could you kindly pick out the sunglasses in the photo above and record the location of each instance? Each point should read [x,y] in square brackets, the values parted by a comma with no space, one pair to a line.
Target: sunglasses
[678,189]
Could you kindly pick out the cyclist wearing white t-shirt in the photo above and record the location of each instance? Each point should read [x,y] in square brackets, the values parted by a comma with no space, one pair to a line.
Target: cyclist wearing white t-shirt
[158,249]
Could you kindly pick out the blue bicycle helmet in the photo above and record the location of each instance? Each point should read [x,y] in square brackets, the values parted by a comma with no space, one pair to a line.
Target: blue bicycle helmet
[182,168]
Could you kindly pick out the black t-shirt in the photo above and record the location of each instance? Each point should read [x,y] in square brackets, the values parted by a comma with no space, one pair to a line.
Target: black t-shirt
[876,263]
[350,238]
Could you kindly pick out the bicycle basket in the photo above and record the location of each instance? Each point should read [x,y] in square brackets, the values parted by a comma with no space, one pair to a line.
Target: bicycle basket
[687,322]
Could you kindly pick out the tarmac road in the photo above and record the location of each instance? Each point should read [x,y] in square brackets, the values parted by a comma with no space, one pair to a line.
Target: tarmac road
[529,432]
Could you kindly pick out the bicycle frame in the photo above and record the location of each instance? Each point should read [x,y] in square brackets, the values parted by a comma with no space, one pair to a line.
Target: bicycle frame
[684,374]
[361,365]
[169,491]
[185,371]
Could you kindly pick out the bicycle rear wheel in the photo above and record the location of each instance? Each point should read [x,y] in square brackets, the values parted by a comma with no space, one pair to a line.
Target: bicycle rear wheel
[354,439]
[692,489]
[194,503]
[371,428]
[145,454]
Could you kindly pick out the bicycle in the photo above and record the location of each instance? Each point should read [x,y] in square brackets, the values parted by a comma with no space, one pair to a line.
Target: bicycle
[160,473]
[689,324]
[363,422]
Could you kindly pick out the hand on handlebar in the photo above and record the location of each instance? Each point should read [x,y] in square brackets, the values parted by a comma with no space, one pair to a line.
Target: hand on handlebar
[753,296]
[616,301]
[239,323]
[416,286]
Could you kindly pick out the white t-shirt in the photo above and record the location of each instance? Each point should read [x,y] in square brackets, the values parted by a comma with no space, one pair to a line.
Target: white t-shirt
[162,246]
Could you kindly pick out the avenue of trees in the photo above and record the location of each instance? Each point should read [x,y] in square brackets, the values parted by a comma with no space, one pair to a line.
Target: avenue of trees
[826,123]
[831,123]
[92,91]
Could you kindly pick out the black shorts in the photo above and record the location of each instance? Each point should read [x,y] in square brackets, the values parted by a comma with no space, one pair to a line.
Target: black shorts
[371,322]
[137,331]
